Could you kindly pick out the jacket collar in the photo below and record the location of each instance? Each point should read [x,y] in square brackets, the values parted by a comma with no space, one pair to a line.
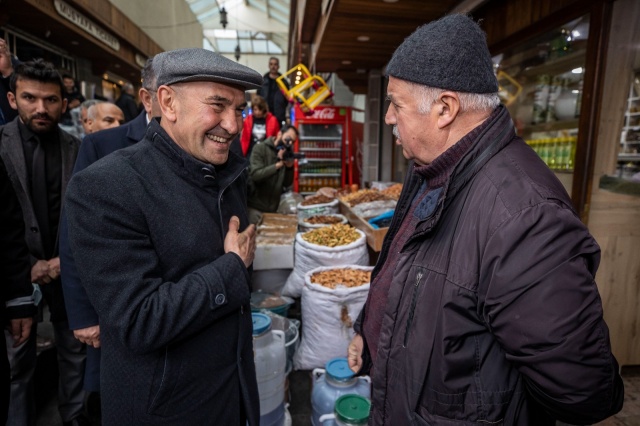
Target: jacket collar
[203,174]
[483,143]
[138,127]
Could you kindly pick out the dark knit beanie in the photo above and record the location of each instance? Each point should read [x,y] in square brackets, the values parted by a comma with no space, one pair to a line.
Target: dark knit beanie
[450,53]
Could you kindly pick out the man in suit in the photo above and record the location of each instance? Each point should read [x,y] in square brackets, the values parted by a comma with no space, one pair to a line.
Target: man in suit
[83,319]
[39,158]
[17,307]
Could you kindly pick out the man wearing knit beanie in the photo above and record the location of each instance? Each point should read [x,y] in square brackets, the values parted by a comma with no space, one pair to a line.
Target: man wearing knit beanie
[483,307]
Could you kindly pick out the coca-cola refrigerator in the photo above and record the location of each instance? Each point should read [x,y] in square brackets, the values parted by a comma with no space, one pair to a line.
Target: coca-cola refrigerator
[330,140]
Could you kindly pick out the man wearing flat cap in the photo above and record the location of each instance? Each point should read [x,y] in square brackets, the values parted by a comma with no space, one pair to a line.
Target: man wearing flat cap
[162,244]
[483,307]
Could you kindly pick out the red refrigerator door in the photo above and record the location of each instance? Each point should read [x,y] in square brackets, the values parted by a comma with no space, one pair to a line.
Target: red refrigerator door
[323,137]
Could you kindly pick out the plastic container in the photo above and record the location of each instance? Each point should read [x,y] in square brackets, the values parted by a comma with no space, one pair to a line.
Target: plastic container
[350,410]
[291,329]
[331,383]
[270,359]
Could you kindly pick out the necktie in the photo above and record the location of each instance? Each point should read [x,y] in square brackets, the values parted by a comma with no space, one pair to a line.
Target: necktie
[39,197]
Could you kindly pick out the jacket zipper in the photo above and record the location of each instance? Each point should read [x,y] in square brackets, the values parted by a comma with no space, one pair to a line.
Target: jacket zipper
[413,308]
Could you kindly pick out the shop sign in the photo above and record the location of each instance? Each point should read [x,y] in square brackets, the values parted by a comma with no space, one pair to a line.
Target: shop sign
[324,114]
[141,60]
[69,13]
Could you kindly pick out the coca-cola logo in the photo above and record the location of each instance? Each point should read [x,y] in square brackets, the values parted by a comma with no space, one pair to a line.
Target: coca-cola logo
[324,114]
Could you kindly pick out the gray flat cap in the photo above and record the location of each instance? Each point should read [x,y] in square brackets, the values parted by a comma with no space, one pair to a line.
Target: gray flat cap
[184,65]
[450,53]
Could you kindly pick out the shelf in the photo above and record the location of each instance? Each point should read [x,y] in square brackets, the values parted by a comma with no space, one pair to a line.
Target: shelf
[321,160]
[321,138]
[632,128]
[320,174]
[632,114]
[628,157]
[557,66]
[552,126]
[321,149]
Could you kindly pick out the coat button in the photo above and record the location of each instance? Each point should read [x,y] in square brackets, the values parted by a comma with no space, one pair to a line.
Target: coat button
[220,299]
[34,229]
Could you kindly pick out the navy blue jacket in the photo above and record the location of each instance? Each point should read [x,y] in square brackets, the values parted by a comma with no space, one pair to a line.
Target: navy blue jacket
[80,312]
[146,226]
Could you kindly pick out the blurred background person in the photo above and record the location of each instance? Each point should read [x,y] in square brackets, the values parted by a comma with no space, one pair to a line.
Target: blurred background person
[104,115]
[127,102]
[258,126]
[73,97]
[84,127]
[270,91]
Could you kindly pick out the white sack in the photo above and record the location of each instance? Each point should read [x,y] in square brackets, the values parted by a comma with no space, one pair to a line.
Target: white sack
[327,320]
[308,256]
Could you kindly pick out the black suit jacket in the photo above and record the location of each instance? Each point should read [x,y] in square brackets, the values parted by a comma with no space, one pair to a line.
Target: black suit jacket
[13,157]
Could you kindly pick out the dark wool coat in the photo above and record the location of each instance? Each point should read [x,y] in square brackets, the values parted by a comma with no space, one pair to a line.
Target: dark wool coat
[493,315]
[146,226]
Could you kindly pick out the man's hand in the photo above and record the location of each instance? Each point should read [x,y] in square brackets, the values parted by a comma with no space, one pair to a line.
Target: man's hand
[6,69]
[40,272]
[289,163]
[54,268]
[241,243]
[20,330]
[280,154]
[89,336]
[354,353]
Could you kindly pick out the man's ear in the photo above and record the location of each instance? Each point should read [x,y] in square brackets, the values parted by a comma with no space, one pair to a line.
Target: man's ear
[145,98]
[167,99]
[12,100]
[448,105]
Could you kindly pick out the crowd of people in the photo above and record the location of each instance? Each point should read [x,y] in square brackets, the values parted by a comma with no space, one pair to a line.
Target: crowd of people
[483,306]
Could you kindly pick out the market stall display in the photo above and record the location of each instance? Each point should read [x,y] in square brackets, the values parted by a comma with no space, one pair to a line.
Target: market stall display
[273,259]
[320,220]
[333,245]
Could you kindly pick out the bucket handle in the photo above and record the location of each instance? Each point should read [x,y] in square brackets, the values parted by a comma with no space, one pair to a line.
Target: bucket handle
[317,372]
[323,418]
[365,378]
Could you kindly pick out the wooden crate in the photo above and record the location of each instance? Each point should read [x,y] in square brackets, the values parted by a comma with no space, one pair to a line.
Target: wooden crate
[374,236]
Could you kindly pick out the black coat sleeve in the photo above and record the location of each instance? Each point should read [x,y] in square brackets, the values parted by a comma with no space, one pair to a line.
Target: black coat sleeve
[15,266]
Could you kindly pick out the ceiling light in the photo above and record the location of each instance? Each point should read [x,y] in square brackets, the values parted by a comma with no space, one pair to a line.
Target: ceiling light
[346,62]
[363,38]
[577,70]
[390,1]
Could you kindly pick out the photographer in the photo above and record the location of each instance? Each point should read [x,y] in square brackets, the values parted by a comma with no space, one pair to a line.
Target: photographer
[271,170]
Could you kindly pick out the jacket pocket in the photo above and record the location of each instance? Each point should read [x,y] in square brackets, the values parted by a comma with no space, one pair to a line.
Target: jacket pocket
[412,309]
[165,378]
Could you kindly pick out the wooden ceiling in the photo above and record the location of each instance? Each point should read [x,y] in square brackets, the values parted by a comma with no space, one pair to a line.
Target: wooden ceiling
[324,33]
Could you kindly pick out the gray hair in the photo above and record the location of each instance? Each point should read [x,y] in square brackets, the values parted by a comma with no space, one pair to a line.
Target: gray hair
[92,111]
[89,103]
[468,101]
[148,75]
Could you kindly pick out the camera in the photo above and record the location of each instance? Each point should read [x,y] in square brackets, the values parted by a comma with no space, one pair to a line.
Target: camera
[288,151]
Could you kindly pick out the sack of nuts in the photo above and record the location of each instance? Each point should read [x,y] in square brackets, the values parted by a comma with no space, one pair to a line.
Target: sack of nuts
[332,299]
